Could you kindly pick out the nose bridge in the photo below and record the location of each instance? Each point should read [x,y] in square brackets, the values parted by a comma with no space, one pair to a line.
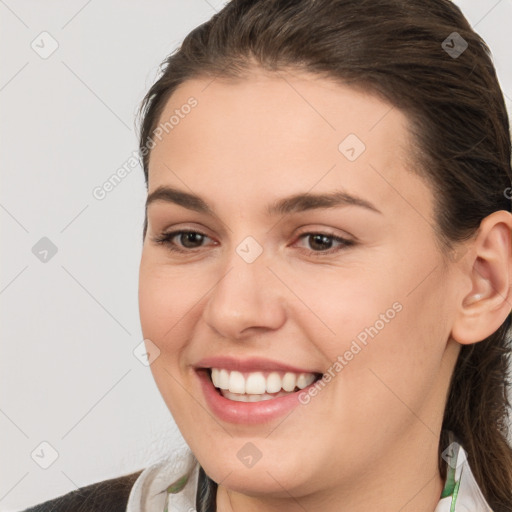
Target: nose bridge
[246,295]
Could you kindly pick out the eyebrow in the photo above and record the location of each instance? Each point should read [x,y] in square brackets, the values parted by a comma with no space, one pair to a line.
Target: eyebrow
[285,206]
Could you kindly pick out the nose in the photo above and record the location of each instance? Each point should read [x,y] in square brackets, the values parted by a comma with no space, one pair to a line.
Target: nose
[246,300]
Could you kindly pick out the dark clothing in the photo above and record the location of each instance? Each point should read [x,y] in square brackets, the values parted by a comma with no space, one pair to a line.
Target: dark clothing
[112,496]
[106,496]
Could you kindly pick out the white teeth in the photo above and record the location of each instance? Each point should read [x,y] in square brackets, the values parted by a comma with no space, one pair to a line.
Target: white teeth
[250,398]
[236,382]
[304,380]
[223,381]
[274,382]
[255,386]
[289,381]
[245,398]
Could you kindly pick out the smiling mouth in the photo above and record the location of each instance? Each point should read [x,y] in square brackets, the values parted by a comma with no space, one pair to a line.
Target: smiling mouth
[259,385]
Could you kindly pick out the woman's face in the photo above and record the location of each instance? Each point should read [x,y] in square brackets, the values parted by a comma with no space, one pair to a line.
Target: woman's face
[264,287]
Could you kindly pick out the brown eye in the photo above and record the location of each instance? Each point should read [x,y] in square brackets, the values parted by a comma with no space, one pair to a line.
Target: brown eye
[187,240]
[321,244]
[190,238]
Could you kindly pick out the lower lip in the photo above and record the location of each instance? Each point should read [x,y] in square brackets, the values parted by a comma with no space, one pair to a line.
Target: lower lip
[246,412]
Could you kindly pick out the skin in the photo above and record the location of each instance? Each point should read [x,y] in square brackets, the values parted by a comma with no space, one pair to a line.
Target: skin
[369,439]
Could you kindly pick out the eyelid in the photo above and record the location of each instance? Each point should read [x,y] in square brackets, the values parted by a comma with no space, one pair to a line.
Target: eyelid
[328,232]
[166,237]
[345,243]
[181,228]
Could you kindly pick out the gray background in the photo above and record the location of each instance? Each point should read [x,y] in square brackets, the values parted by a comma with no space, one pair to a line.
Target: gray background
[70,324]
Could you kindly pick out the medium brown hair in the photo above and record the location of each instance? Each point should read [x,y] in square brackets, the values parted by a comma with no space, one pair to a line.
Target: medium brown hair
[460,129]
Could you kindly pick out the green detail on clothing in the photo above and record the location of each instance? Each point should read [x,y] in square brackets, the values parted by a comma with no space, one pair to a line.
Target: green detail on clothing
[449,485]
[178,485]
[455,494]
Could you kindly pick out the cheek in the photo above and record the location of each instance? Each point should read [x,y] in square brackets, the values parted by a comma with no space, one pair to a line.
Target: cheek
[397,370]
[166,310]
[167,300]
[343,305]
[390,327]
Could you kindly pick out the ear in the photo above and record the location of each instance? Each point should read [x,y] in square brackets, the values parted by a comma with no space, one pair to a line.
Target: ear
[483,309]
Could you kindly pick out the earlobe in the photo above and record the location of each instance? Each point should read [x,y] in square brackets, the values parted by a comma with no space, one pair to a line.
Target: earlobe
[486,306]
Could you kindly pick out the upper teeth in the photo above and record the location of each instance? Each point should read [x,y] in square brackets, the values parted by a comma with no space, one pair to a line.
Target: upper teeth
[259,382]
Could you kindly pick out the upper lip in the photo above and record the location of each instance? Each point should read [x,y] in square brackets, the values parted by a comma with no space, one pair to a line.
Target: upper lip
[249,365]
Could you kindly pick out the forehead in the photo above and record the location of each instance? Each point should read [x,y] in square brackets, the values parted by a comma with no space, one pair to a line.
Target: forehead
[286,131]
[285,106]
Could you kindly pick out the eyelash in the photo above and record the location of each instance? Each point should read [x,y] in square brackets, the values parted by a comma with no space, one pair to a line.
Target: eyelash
[166,239]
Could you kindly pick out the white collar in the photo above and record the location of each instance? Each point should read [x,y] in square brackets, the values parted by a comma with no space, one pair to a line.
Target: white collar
[469,497]
[150,491]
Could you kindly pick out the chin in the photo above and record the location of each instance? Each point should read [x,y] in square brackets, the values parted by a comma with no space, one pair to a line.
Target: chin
[268,476]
